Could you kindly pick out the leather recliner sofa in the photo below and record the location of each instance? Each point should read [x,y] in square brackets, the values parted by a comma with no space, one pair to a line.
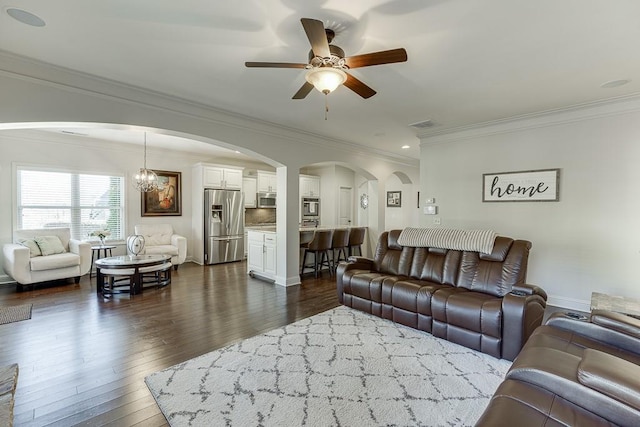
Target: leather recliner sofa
[573,372]
[477,300]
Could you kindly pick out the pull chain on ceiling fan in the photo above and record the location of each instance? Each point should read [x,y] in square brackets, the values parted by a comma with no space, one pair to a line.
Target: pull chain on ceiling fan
[327,67]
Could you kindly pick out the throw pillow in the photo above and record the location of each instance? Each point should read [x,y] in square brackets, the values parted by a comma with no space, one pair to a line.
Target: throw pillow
[49,245]
[34,249]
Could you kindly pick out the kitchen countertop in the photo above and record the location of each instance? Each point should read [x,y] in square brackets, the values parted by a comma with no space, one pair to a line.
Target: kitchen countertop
[272,228]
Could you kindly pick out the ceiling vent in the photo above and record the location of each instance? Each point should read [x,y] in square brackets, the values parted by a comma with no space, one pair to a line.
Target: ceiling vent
[423,125]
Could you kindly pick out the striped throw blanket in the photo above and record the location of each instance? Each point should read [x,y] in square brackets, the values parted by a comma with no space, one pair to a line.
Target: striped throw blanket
[445,238]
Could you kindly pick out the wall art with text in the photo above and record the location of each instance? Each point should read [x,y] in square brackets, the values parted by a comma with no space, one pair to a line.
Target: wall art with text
[522,186]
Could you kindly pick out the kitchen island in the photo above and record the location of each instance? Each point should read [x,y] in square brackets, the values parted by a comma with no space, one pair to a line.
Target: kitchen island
[261,249]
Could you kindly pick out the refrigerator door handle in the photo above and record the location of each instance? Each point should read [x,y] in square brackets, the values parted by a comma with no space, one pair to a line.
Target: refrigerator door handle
[229,213]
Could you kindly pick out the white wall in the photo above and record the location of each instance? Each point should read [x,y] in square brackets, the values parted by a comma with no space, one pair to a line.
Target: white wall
[407,214]
[590,239]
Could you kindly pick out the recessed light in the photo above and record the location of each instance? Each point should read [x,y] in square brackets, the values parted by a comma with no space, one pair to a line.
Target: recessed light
[614,83]
[404,147]
[25,17]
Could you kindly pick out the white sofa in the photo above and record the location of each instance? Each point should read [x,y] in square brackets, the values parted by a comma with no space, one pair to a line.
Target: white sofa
[161,239]
[26,267]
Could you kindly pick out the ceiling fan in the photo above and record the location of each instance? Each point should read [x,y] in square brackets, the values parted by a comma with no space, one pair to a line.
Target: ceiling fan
[327,67]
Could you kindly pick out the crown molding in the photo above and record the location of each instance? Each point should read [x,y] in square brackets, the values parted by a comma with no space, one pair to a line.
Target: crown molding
[28,69]
[576,113]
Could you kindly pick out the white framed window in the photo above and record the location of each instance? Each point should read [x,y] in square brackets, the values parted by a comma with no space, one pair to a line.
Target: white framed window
[81,201]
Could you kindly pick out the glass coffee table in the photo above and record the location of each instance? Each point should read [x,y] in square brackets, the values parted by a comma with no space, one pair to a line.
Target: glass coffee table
[133,267]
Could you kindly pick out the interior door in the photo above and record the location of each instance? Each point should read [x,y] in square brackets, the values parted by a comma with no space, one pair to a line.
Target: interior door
[346,202]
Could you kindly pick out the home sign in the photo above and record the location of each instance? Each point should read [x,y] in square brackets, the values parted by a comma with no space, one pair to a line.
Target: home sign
[523,186]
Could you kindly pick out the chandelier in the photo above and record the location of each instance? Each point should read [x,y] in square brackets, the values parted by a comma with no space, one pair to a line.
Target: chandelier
[145,180]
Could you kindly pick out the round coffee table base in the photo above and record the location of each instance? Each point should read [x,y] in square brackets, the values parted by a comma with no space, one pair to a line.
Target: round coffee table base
[129,274]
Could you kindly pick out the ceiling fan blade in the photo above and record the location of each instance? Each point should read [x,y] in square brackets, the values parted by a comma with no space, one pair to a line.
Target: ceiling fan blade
[303,91]
[274,64]
[317,37]
[376,58]
[358,87]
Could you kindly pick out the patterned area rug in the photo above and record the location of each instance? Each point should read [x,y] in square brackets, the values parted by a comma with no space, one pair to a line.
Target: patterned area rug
[15,313]
[338,368]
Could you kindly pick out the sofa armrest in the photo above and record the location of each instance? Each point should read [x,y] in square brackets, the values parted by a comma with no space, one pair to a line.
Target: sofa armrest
[610,375]
[15,262]
[522,312]
[601,332]
[181,243]
[353,263]
[83,249]
[617,322]
[360,262]
[529,290]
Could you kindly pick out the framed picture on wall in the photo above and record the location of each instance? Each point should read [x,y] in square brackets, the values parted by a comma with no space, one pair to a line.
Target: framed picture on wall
[394,199]
[167,199]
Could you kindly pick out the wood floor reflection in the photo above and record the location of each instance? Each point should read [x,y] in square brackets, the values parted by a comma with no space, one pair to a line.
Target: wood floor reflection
[83,357]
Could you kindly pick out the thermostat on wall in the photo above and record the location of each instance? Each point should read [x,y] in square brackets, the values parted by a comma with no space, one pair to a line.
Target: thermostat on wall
[431,210]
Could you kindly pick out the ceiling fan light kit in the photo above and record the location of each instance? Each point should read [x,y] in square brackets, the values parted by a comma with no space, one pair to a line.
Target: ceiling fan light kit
[326,79]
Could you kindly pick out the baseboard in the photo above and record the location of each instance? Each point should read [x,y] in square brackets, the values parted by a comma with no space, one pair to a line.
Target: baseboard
[6,280]
[287,281]
[569,303]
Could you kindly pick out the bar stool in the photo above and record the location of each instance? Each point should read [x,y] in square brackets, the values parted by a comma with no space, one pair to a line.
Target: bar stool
[340,243]
[356,238]
[306,236]
[320,245]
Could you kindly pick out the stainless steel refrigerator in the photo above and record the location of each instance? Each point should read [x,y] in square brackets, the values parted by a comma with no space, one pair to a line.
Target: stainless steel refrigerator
[223,226]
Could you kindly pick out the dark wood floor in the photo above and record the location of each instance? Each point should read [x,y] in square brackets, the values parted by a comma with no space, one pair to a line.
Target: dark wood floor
[83,358]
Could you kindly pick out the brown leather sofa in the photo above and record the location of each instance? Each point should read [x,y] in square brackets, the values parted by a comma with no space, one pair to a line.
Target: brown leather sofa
[573,372]
[477,300]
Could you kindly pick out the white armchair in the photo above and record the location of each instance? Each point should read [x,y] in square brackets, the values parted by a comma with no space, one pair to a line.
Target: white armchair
[160,239]
[37,256]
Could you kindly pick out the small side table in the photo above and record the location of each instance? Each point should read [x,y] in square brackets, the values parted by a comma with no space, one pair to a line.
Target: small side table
[624,305]
[98,252]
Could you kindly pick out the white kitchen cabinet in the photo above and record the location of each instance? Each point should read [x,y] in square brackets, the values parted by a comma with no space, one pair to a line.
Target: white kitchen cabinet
[261,257]
[267,182]
[218,177]
[270,255]
[309,186]
[249,188]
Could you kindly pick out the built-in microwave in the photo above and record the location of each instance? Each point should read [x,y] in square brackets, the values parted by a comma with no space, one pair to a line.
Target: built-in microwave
[266,200]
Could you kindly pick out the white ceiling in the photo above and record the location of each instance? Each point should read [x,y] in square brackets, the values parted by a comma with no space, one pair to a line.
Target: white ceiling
[469,62]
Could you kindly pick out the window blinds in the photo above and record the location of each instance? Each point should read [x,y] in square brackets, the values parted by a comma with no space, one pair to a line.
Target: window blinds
[82,202]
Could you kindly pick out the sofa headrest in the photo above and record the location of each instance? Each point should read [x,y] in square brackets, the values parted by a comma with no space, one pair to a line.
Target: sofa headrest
[501,248]
[392,240]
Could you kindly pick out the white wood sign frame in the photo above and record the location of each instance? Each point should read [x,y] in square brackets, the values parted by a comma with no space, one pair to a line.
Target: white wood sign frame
[541,185]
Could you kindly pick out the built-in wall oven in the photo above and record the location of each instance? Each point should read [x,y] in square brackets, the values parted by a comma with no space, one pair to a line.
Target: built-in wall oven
[310,211]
